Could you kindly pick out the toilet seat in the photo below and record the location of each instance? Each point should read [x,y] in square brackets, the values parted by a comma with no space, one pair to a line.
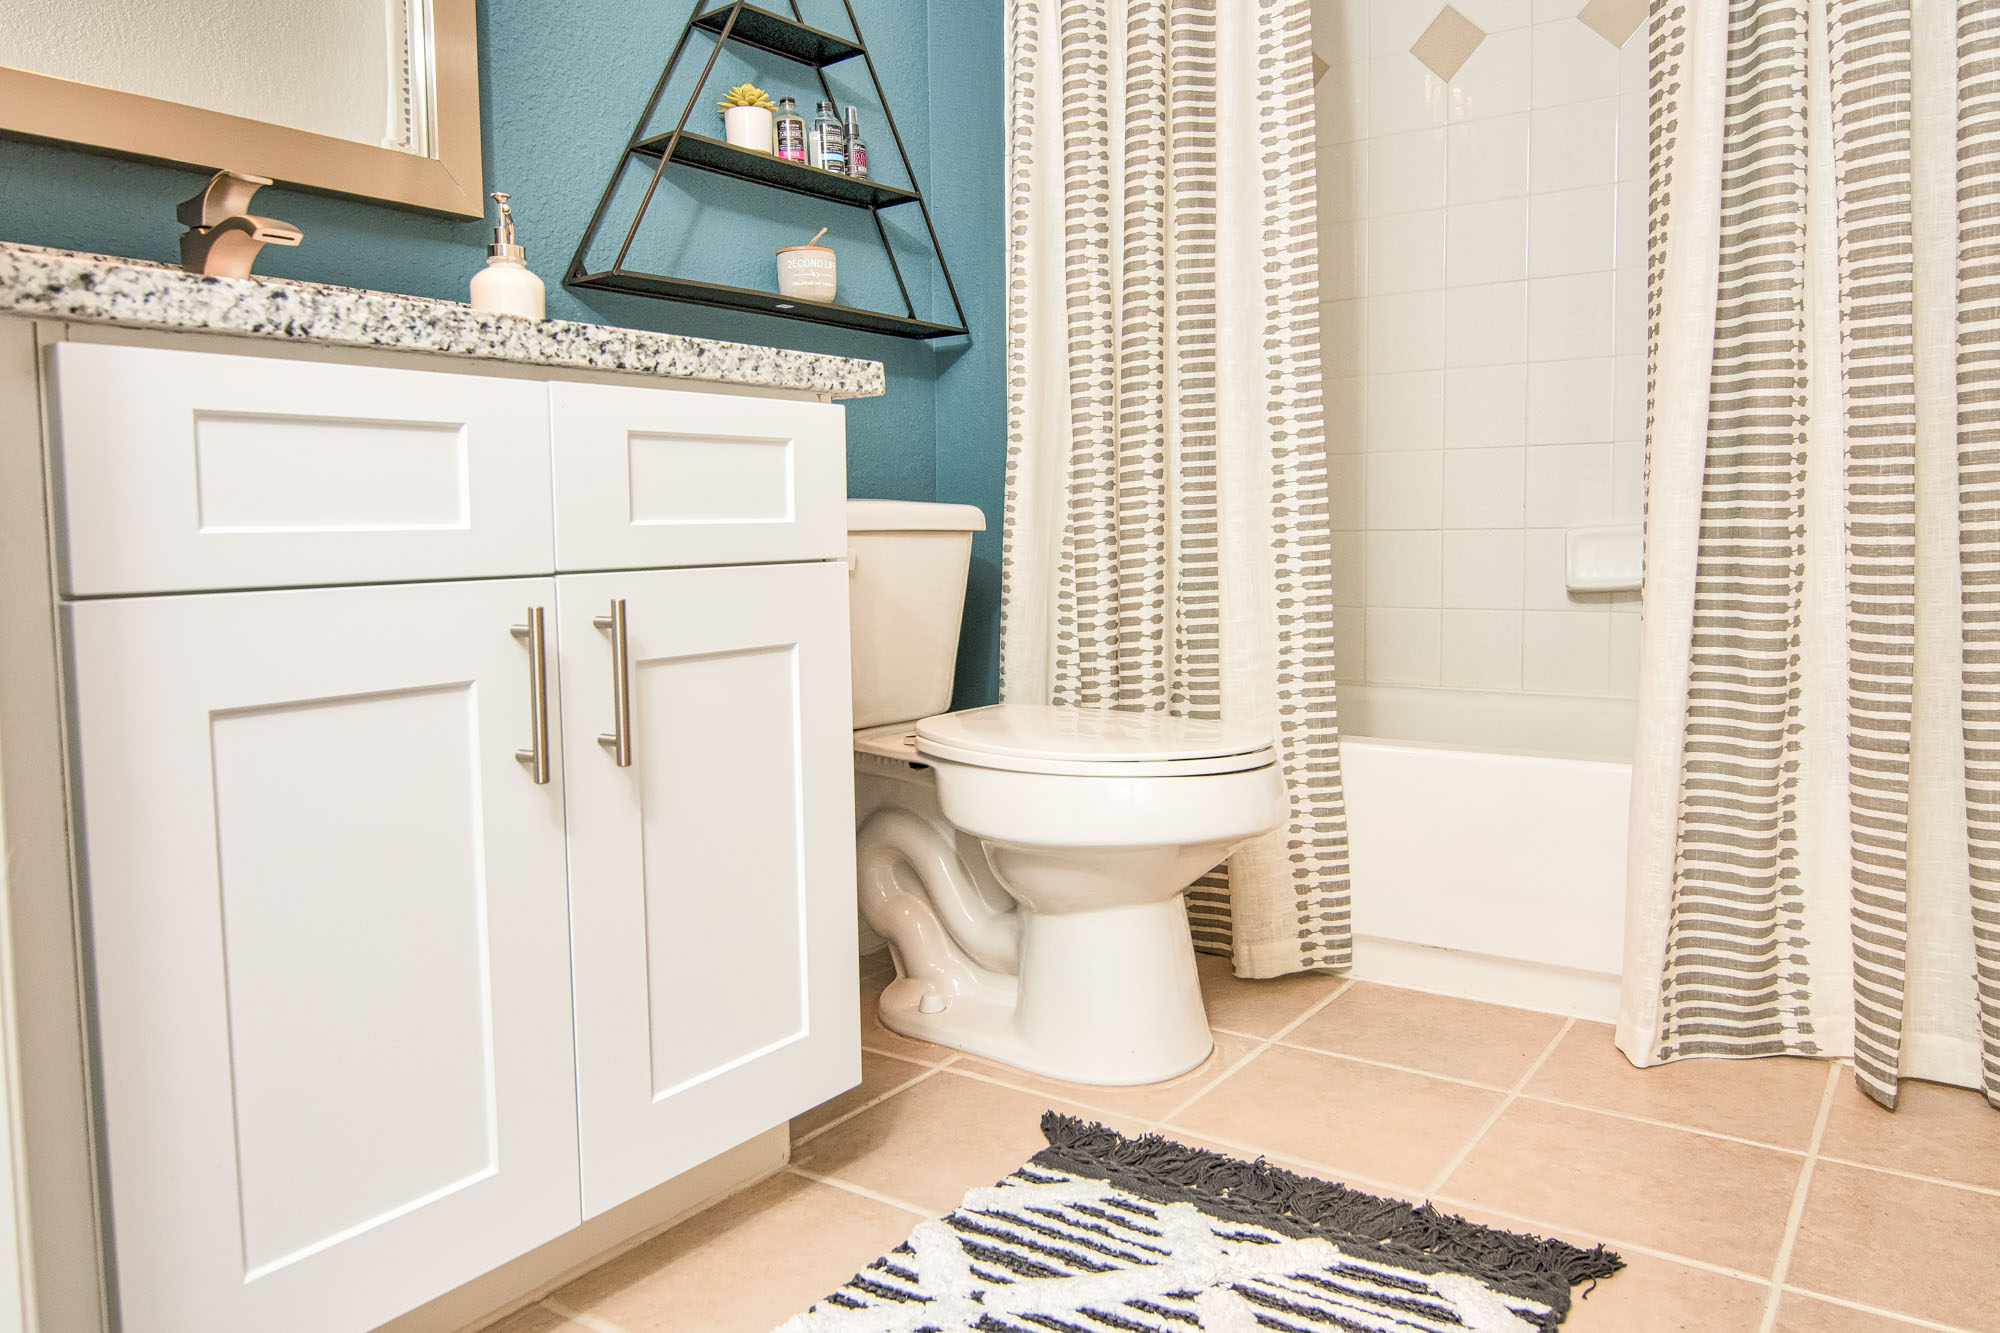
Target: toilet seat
[1090,742]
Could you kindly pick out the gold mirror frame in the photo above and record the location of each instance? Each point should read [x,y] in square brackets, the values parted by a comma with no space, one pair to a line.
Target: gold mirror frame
[40,106]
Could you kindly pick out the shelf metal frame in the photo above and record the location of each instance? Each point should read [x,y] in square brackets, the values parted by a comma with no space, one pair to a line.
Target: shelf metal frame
[793,39]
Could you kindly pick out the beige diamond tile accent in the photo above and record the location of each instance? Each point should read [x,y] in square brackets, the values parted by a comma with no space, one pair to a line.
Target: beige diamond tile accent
[1320,67]
[1614,20]
[1445,45]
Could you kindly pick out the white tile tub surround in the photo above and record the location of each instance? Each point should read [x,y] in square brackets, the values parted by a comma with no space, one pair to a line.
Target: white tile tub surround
[1482,203]
[1404,568]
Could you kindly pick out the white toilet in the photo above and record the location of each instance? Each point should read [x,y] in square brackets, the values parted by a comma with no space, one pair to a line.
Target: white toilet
[1026,863]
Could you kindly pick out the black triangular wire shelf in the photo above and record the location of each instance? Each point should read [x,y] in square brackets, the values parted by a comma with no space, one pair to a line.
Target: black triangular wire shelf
[795,40]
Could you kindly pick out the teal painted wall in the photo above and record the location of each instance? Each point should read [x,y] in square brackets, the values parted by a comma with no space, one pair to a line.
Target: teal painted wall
[560,88]
[968,180]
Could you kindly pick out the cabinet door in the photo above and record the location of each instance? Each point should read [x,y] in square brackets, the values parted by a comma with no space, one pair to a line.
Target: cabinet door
[650,478]
[185,471]
[712,880]
[328,927]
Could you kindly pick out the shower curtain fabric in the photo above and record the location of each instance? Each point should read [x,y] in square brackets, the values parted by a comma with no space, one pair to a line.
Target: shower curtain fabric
[1167,540]
[1815,842]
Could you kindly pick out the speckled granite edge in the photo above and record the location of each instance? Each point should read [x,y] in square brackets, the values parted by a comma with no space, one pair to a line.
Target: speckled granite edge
[99,289]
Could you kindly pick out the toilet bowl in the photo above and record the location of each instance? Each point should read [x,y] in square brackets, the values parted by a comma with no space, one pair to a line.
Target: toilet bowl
[1025,863]
[1036,916]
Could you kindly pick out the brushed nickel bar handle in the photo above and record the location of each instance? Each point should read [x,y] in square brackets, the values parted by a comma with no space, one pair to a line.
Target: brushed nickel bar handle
[534,632]
[619,739]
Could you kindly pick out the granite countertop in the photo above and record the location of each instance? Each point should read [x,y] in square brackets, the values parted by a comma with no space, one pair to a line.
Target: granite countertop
[98,289]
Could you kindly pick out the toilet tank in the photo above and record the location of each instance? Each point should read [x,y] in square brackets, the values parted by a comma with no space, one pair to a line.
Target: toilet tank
[907,563]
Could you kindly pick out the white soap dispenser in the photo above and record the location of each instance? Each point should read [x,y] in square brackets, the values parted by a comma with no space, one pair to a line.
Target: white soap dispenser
[507,286]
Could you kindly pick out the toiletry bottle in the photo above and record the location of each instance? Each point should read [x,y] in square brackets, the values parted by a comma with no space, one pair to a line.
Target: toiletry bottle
[857,151]
[789,129]
[506,286]
[829,140]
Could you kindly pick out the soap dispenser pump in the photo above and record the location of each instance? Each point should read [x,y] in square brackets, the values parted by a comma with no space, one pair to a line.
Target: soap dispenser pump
[507,286]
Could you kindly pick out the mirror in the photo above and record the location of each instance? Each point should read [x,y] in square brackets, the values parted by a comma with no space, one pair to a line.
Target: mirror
[378,99]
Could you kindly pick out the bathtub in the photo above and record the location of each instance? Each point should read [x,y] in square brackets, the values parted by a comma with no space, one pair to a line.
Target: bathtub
[1492,866]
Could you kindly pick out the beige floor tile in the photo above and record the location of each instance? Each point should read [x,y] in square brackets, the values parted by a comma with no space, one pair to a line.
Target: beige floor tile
[931,1143]
[1950,1133]
[879,1074]
[1258,1008]
[1710,1199]
[743,1266]
[1655,1295]
[881,963]
[1802,1314]
[1485,1043]
[1772,1101]
[1932,1251]
[1147,1102]
[535,1319]
[875,1037]
[1343,1116]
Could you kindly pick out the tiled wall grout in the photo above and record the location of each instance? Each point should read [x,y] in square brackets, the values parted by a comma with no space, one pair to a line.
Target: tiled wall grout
[1800,1192]
[1513,1093]
[1478,262]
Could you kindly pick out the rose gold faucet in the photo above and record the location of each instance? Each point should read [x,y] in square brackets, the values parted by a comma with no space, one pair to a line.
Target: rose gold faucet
[223,238]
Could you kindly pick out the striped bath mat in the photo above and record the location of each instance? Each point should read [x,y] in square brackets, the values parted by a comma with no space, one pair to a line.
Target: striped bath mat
[1099,1233]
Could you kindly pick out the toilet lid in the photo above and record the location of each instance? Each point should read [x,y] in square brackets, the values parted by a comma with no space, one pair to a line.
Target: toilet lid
[1036,738]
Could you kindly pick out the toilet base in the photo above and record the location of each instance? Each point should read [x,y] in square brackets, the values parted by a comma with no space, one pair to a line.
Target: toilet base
[1109,998]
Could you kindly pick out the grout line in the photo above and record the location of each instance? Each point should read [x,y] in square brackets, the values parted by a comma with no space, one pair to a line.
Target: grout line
[1458,1159]
[1946,1181]
[1543,1227]
[821,1178]
[1387,1064]
[1665,1124]
[1263,1044]
[907,1058]
[1798,1208]
[1914,1321]
[870,1105]
[589,1321]
[1608,1111]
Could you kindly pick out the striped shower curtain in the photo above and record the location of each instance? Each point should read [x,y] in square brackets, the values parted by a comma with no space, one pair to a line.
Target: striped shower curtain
[1815,863]
[1167,541]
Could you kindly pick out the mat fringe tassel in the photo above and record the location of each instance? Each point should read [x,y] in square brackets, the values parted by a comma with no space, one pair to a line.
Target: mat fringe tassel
[1160,1169]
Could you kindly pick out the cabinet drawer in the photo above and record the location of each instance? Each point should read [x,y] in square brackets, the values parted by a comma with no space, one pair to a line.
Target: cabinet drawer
[181,471]
[653,478]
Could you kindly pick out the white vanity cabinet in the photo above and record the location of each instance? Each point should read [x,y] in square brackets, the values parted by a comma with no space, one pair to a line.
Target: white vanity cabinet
[712,989]
[375,1009]
[327,919]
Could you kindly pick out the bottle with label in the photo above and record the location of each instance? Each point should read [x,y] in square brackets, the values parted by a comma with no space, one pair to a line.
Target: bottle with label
[828,147]
[857,151]
[789,130]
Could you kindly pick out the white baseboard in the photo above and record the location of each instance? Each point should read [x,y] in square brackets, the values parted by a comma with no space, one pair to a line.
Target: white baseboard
[1475,976]
[535,1274]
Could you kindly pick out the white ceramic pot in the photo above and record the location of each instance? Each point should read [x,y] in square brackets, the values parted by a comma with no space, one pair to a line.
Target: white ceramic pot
[806,272]
[748,127]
